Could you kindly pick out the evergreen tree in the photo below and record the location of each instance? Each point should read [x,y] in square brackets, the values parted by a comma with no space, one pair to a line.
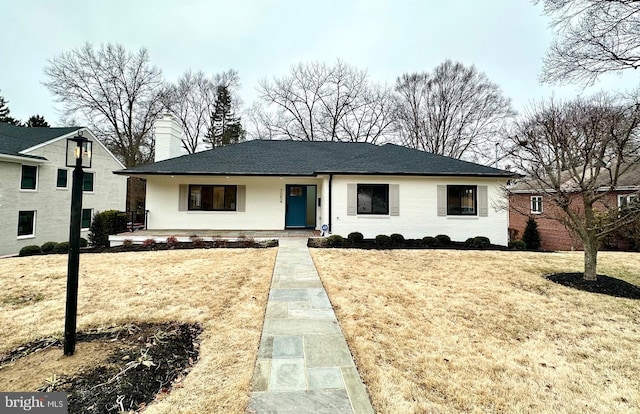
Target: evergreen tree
[4,113]
[37,121]
[531,235]
[225,128]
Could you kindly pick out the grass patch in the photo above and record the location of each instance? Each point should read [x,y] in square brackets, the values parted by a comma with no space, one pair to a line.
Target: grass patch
[482,331]
[222,291]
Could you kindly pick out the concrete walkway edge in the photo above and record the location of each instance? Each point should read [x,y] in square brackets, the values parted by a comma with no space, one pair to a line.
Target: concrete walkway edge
[304,364]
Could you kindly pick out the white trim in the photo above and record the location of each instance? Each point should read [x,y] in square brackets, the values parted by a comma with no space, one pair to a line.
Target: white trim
[29,190]
[35,221]
[23,160]
[66,187]
[531,204]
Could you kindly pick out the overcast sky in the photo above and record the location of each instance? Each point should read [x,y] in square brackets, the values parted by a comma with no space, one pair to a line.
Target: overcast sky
[506,39]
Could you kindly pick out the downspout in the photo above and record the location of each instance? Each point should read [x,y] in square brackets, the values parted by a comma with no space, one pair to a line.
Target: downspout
[330,203]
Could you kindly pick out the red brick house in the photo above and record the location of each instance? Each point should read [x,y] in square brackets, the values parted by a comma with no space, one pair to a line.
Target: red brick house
[554,235]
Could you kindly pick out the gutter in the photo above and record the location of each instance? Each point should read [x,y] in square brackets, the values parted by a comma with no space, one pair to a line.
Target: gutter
[330,203]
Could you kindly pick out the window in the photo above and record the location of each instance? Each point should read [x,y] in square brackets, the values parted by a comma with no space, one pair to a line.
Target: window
[85,221]
[212,197]
[26,223]
[61,181]
[373,199]
[87,181]
[626,200]
[29,177]
[462,200]
[536,204]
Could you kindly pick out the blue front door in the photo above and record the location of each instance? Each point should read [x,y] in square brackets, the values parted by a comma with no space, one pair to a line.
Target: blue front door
[296,215]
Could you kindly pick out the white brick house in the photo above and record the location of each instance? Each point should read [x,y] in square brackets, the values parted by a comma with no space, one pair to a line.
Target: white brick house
[275,185]
[35,190]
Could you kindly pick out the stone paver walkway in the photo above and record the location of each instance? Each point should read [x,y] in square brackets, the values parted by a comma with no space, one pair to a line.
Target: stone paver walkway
[304,364]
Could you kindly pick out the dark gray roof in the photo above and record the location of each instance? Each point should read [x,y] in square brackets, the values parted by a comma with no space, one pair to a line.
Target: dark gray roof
[14,139]
[312,158]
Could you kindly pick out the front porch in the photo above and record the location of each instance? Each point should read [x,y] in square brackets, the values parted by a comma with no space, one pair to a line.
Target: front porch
[160,236]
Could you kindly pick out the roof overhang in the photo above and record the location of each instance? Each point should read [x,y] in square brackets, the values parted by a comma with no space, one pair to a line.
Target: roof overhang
[27,159]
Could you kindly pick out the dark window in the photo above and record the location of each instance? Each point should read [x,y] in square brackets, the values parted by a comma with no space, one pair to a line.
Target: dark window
[26,223]
[87,181]
[86,218]
[29,177]
[373,199]
[536,204]
[462,200]
[62,179]
[213,197]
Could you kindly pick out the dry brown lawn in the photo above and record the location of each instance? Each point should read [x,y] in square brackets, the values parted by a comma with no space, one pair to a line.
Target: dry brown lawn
[478,331]
[225,291]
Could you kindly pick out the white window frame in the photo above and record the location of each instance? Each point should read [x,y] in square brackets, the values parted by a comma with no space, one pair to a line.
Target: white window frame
[66,187]
[533,204]
[35,222]
[93,182]
[90,219]
[626,199]
[37,178]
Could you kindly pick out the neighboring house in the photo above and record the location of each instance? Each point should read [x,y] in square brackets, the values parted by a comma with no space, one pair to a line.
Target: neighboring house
[525,202]
[275,185]
[35,192]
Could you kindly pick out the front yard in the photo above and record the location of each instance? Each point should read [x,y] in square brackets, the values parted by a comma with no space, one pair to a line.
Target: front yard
[481,331]
[223,290]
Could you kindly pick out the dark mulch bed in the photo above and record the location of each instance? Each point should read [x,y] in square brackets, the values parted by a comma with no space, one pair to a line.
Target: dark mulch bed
[215,244]
[149,360]
[370,244]
[605,285]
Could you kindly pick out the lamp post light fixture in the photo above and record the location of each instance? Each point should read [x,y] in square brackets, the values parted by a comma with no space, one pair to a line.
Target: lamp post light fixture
[78,156]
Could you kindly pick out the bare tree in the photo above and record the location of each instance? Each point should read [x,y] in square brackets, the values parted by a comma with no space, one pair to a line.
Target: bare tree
[575,154]
[591,37]
[317,102]
[116,93]
[192,101]
[454,111]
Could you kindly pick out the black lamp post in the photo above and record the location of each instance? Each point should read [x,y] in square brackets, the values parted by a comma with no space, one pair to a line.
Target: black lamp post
[78,156]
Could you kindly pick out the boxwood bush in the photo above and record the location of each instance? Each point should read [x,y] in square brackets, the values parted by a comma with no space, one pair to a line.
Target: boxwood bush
[443,240]
[104,224]
[518,245]
[335,240]
[61,248]
[48,247]
[30,250]
[478,242]
[355,237]
[382,240]
[429,241]
[397,238]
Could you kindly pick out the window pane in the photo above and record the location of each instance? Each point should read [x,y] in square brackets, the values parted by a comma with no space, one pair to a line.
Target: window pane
[373,199]
[29,174]
[195,197]
[364,199]
[380,199]
[461,200]
[207,197]
[87,182]
[218,198]
[86,218]
[62,179]
[230,198]
[26,223]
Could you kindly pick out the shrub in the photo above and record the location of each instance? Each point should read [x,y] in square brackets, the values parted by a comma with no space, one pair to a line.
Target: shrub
[61,248]
[104,224]
[518,245]
[127,243]
[335,240]
[443,239]
[531,236]
[383,240]
[197,241]
[83,242]
[30,250]
[397,238]
[149,243]
[429,241]
[172,241]
[48,247]
[355,237]
[478,242]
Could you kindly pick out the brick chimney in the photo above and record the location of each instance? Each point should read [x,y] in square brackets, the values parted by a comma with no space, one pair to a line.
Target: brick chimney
[168,138]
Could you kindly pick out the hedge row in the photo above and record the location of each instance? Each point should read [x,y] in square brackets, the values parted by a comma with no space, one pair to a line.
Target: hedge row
[49,248]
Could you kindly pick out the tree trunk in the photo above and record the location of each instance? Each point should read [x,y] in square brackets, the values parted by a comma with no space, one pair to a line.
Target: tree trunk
[590,259]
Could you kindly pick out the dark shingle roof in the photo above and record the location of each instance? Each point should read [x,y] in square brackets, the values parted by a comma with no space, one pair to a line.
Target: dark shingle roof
[311,158]
[14,139]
